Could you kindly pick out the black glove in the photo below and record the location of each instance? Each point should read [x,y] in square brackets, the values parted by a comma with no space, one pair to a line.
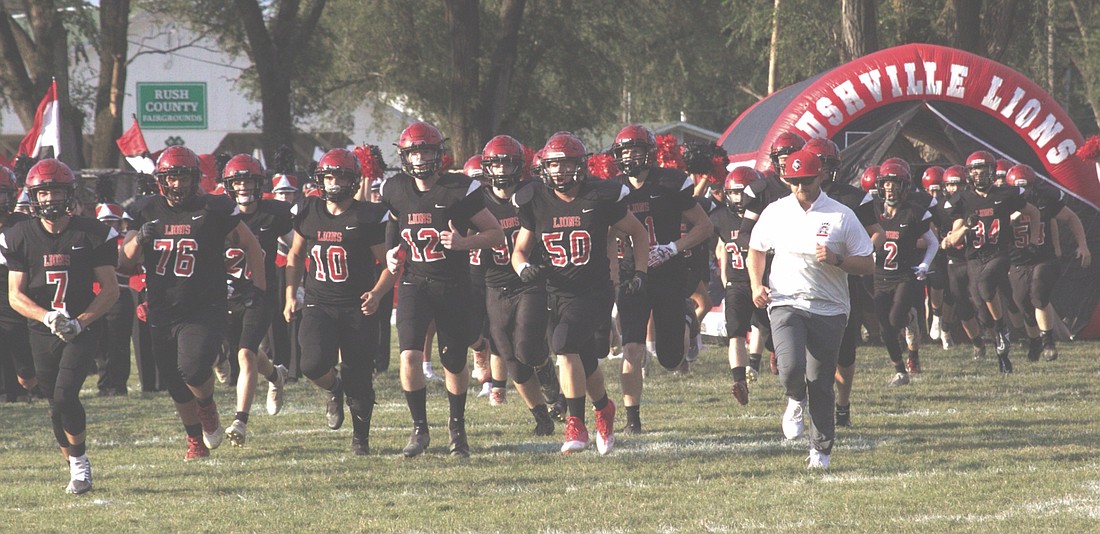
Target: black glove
[634,285]
[971,220]
[530,273]
[146,233]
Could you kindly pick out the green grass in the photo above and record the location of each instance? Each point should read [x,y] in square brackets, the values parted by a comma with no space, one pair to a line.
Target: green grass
[962,449]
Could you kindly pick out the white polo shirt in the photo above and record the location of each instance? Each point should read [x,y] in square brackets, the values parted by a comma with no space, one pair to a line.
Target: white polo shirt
[797,279]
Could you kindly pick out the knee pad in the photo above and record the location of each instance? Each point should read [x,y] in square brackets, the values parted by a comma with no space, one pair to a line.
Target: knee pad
[454,359]
[362,405]
[519,371]
[314,368]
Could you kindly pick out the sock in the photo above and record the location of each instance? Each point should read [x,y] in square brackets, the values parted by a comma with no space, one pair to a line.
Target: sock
[458,405]
[999,325]
[935,312]
[203,403]
[914,355]
[539,411]
[77,450]
[651,346]
[418,409]
[979,342]
[754,361]
[427,366]
[335,388]
[899,366]
[738,373]
[274,376]
[242,417]
[576,407]
[602,403]
[499,384]
[843,409]
[634,415]
[193,431]
[1048,337]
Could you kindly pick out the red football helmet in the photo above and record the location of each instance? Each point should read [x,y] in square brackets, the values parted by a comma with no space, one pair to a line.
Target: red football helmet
[420,136]
[899,161]
[932,179]
[954,175]
[981,166]
[786,144]
[564,161]
[178,163]
[1021,175]
[1001,170]
[249,173]
[340,164]
[54,176]
[8,191]
[736,181]
[636,137]
[868,179]
[896,174]
[504,152]
[472,167]
[828,152]
[802,164]
[108,212]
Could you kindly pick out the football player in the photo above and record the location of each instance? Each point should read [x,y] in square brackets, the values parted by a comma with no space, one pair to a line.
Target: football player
[343,237]
[113,359]
[250,309]
[180,237]
[432,209]
[568,217]
[53,261]
[660,198]
[15,351]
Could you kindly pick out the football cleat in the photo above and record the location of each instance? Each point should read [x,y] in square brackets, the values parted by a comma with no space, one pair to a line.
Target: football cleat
[934,330]
[418,442]
[275,391]
[195,449]
[497,397]
[1034,349]
[979,351]
[334,409]
[843,416]
[212,432]
[740,390]
[947,340]
[817,460]
[912,365]
[793,424]
[900,379]
[236,433]
[544,425]
[360,446]
[460,447]
[576,436]
[605,428]
[80,475]
[486,389]
[1004,364]
[1050,352]
[222,371]
[1002,343]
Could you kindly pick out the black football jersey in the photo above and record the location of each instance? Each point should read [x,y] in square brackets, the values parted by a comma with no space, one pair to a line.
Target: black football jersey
[991,235]
[1049,201]
[270,221]
[60,267]
[759,194]
[496,263]
[341,265]
[898,254]
[573,235]
[422,215]
[659,205]
[944,220]
[185,264]
[6,311]
[859,201]
[727,226]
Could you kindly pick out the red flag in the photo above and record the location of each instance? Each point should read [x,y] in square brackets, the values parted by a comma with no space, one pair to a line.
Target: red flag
[133,148]
[47,126]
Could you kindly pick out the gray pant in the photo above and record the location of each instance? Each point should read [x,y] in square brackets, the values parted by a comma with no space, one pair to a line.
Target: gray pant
[806,346]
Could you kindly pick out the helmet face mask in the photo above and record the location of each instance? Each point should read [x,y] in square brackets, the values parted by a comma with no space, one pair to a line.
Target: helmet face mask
[981,168]
[243,178]
[634,149]
[733,190]
[502,162]
[51,188]
[563,161]
[8,192]
[421,149]
[177,173]
[338,174]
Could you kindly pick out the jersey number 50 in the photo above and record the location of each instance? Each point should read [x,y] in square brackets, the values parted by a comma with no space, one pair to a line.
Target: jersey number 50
[579,251]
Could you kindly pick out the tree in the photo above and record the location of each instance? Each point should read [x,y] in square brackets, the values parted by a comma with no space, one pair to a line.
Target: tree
[859,28]
[114,24]
[33,52]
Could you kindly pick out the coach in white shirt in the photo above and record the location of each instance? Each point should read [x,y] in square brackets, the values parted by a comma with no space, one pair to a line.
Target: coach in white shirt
[817,243]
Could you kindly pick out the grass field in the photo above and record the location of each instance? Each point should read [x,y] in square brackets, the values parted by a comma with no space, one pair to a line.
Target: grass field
[961,449]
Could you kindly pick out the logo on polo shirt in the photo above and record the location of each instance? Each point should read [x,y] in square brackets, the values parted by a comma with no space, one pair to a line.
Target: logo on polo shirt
[823,230]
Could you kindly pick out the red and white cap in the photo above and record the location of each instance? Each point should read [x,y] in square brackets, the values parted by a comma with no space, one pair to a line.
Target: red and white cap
[108,212]
[284,183]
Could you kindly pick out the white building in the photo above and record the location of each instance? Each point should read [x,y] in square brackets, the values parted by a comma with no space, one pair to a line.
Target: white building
[190,95]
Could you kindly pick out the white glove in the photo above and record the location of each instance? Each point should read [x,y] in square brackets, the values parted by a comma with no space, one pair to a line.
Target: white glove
[54,318]
[921,271]
[68,329]
[395,257]
[659,254]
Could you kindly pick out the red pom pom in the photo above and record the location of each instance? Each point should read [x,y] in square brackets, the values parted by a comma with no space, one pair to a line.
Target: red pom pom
[602,166]
[528,160]
[718,169]
[669,154]
[447,161]
[369,162]
[1090,150]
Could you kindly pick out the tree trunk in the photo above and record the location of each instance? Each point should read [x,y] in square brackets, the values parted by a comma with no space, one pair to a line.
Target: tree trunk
[463,21]
[498,83]
[773,50]
[968,26]
[278,128]
[858,23]
[998,26]
[114,23]
[1083,61]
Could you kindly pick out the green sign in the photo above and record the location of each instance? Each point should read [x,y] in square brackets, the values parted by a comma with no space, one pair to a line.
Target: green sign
[172,106]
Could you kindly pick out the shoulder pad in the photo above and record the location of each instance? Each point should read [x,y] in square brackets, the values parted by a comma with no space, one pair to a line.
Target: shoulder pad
[525,192]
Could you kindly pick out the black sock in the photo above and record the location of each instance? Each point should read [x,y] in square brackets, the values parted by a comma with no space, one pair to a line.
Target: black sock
[335,387]
[539,411]
[738,373]
[754,361]
[1048,337]
[935,312]
[979,342]
[999,325]
[843,409]
[602,403]
[203,403]
[914,355]
[193,431]
[634,415]
[899,366]
[274,376]
[417,401]
[242,417]
[499,384]
[76,451]
[576,407]
[458,405]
